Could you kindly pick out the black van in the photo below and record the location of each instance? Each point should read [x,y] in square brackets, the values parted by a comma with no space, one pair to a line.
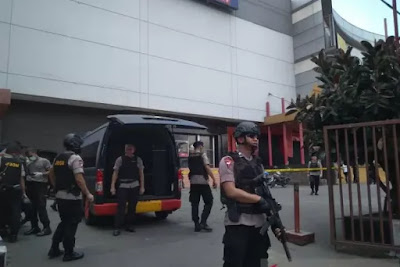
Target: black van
[155,144]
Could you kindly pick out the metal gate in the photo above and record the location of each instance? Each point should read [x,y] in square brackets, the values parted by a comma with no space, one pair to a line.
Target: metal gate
[364,204]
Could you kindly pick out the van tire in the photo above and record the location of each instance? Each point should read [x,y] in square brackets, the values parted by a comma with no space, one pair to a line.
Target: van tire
[90,219]
[161,215]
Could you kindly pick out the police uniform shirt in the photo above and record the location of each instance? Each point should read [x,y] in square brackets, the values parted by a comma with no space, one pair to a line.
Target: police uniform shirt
[75,163]
[5,155]
[36,169]
[118,164]
[226,174]
[199,179]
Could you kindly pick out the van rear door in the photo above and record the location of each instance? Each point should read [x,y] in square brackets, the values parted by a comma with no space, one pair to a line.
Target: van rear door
[174,125]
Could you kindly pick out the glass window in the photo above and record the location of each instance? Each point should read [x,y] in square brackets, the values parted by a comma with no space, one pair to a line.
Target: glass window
[90,146]
[183,143]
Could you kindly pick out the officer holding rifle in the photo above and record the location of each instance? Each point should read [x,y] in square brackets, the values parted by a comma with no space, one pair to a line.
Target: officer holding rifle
[248,214]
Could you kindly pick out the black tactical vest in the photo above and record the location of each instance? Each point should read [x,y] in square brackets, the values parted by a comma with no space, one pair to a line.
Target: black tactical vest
[65,178]
[313,165]
[244,171]
[10,171]
[196,166]
[129,171]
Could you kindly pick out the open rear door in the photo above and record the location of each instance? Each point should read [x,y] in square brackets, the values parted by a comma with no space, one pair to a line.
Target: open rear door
[174,126]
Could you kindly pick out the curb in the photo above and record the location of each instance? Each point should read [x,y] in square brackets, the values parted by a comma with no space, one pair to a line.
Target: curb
[3,253]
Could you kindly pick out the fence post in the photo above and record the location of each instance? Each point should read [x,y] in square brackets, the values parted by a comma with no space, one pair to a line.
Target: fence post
[297,236]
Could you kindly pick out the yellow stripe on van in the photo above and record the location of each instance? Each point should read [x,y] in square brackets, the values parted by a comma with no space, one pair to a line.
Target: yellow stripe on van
[148,206]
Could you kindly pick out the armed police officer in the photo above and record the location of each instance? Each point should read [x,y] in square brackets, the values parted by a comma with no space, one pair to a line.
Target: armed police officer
[12,189]
[66,175]
[240,172]
[128,173]
[36,188]
[199,166]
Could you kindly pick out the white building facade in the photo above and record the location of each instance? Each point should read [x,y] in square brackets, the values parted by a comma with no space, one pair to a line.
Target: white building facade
[69,63]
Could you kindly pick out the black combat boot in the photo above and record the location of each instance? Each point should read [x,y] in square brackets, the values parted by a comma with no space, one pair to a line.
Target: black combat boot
[116,232]
[73,256]
[197,227]
[205,227]
[46,231]
[33,231]
[55,252]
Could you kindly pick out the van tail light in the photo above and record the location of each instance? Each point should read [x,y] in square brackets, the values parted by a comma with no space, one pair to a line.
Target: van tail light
[99,182]
[180,180]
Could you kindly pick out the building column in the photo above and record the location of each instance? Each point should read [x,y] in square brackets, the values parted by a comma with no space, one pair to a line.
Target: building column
[269,137]
[5,101]
[285,152]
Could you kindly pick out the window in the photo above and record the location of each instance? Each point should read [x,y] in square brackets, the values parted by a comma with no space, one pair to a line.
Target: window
[183,143]
[90,147]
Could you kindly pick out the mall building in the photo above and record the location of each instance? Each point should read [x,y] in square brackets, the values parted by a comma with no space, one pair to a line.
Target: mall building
[67,64]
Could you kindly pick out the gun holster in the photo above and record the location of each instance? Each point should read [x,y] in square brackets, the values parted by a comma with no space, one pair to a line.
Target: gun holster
[74,190]
[233,212]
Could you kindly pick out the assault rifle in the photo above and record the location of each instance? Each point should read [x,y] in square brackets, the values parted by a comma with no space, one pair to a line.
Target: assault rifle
[273,218]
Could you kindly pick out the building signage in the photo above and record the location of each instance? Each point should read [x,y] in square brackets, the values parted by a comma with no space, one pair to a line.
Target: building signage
[233,4]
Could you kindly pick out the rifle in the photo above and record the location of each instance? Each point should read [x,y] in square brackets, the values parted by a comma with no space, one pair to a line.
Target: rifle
[273,217]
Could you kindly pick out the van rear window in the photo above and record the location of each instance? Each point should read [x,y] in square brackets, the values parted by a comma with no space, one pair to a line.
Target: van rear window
[90,146]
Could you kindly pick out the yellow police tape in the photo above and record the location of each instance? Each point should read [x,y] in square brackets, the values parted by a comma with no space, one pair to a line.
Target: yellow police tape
[186,171]
[295,170]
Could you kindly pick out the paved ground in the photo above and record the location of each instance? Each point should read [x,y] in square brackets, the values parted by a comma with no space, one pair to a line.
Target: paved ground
[172,243]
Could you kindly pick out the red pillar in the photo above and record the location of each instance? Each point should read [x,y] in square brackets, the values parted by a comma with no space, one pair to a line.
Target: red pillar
[302,157]
[285,154]
[231,140]
[269,137]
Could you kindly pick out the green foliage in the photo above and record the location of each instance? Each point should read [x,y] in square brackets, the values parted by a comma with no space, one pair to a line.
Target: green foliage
[353,90]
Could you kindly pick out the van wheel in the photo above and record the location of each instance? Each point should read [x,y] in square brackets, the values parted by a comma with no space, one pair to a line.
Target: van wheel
[161,215]
[90,219]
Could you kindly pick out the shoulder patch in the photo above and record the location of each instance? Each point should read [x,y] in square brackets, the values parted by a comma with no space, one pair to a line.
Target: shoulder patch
[228,161]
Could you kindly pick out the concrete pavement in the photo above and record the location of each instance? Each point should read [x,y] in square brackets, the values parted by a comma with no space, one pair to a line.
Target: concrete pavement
[172,243]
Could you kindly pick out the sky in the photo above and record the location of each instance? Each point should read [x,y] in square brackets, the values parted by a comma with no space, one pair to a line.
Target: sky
[367,14]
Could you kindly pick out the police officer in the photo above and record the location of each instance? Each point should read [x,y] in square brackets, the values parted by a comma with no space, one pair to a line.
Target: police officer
[128,172]
[244,246]
[12,188]
[315,175]
[66,175]
[36,189]
[199,166]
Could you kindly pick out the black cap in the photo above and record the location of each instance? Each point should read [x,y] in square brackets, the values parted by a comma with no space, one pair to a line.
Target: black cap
[197,144]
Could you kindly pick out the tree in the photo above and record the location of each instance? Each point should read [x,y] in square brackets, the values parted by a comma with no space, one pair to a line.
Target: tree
[353,90]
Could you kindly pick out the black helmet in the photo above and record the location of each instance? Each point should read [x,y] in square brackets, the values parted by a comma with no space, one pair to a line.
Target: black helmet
[245,128]
[73,142]
[14,148]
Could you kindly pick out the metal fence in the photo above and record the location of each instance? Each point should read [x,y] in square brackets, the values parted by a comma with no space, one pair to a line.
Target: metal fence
[365,215]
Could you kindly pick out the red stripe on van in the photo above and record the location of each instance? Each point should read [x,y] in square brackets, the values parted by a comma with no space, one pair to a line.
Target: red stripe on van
[170,204]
